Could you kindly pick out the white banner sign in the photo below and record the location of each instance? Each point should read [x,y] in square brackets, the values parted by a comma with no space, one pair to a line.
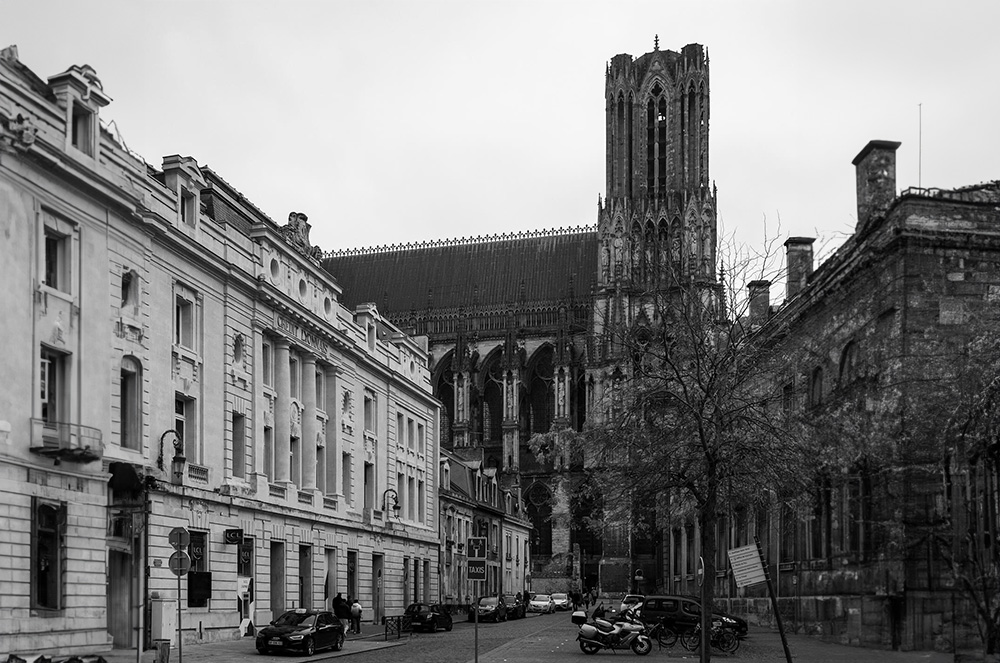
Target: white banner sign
[747,569]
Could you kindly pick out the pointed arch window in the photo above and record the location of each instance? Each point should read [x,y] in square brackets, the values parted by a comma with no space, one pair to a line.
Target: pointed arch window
[656,142]
[816,387]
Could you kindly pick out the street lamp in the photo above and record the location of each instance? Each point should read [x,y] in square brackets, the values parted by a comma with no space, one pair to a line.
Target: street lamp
[388,495]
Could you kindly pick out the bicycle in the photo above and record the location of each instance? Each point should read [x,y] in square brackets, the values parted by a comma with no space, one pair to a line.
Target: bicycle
[723,639]
[663,634]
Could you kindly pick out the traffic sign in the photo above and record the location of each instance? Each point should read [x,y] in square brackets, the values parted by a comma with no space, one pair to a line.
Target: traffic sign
[477,547]
[179,538]
[477,569]
[180,563]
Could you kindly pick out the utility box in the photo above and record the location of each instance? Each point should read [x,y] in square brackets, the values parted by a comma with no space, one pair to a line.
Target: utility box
[163,619]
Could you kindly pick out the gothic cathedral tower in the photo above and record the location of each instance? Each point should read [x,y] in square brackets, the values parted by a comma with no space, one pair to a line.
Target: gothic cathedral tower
[657,225]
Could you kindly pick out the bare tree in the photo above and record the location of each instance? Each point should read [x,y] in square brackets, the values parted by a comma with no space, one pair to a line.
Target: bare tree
[695,423]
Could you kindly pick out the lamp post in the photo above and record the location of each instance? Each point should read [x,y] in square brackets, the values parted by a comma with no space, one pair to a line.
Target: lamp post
[390,499]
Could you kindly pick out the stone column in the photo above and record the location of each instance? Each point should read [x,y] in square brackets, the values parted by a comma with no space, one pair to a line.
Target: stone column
[333,422]
[561,384]
[460,426]
[511,413]
[309,422]
[282,412]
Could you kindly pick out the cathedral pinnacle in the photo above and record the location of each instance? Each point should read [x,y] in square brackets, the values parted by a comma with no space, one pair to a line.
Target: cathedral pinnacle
[656,42]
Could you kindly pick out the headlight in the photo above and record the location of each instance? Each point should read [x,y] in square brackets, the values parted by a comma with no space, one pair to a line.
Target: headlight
[296,637]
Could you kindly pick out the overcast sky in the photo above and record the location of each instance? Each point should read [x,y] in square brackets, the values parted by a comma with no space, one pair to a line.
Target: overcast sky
[397,121]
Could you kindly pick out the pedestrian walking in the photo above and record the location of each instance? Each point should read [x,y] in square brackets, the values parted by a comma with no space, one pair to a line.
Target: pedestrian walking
[586,600]
[341,609]
[356,616]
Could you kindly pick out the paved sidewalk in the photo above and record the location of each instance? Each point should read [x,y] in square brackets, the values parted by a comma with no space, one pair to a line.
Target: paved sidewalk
[238,651]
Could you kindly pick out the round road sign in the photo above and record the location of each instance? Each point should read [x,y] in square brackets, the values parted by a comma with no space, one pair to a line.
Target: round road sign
[180,563]
[179,538]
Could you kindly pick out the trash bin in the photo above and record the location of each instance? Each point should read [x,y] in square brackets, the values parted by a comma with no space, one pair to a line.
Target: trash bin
[162,651]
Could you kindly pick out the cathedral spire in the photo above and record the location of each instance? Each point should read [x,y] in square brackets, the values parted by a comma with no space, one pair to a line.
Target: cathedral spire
[656,42]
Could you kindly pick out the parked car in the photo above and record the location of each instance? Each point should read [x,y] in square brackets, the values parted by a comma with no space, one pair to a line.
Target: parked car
[515,606]
[562,601]
[631,601]
[491,609]
[302,630]
[428,616]
[684,612]
[541,603]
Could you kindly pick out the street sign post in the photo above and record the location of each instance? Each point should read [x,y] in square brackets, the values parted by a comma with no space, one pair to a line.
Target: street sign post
[180,564]
[476,571]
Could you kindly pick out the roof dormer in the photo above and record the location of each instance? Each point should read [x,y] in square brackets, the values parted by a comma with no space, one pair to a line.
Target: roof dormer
[183,176]
[79,93]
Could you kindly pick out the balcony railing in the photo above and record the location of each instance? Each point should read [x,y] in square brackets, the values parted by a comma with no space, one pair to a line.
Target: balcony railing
[197,473]
[66,441]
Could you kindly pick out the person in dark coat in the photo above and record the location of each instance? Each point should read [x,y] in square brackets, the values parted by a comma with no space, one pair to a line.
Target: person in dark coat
[341,610]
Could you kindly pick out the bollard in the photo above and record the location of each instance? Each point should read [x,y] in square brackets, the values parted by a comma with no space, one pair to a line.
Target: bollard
[162,651]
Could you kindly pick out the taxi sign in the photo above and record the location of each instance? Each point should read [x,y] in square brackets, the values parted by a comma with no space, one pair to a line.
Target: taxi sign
[477,569]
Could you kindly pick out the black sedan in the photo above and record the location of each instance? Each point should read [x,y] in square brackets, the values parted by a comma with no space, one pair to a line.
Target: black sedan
[515,606]
[428,616]
[490,608]
[303,631]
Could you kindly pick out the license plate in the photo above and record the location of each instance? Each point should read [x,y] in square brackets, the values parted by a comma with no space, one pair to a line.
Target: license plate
[274,641]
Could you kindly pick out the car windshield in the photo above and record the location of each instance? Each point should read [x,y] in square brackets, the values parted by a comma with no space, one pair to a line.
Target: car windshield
[541,597]
[510,598]
[558,597]
[488,600]
[415,608]
[296,619]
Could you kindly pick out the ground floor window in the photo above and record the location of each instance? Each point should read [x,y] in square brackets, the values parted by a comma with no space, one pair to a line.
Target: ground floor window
[47,553]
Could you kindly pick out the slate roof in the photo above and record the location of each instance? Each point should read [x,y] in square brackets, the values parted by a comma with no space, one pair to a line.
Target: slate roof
[544,266]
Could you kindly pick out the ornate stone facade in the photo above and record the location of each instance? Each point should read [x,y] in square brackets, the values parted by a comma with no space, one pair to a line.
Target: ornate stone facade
[521,326]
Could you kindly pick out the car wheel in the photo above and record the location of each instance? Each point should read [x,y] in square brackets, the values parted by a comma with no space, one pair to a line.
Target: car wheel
[338,642]
[310,647]
[448,626]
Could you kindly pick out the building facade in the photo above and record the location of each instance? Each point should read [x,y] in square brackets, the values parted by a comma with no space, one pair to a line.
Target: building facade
[472,504]
[179,361]
[522,327]
[881,349]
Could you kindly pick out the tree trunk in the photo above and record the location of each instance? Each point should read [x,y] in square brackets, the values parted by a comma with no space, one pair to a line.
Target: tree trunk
[708,517]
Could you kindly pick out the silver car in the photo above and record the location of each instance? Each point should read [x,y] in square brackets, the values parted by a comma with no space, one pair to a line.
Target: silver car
[562,601]
[541,603]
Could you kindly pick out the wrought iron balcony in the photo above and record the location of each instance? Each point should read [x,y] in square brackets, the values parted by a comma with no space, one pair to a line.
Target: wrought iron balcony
[66,441]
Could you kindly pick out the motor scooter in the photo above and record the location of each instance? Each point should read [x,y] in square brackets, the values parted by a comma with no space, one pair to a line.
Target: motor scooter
[627,632]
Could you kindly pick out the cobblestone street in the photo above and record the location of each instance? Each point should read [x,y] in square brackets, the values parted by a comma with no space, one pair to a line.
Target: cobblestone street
[537,639]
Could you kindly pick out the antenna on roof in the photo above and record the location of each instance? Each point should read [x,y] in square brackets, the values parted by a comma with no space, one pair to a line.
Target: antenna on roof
[920,144]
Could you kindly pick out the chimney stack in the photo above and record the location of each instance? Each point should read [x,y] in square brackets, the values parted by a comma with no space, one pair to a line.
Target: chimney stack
[875,172]
[798,264]
[760,301]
